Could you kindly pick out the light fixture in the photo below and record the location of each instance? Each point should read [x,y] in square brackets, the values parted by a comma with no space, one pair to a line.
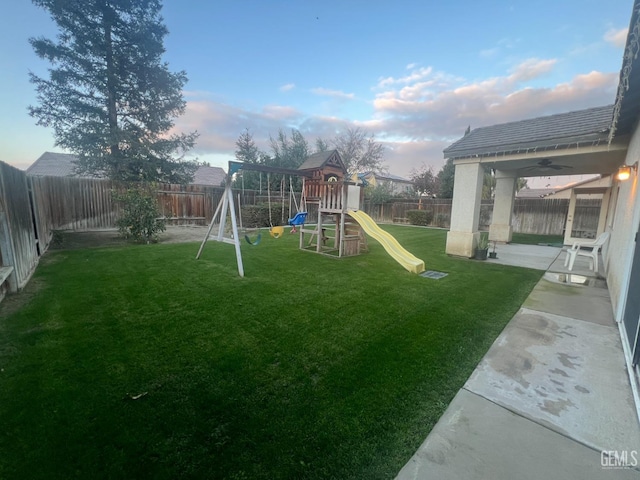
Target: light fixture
[624,172]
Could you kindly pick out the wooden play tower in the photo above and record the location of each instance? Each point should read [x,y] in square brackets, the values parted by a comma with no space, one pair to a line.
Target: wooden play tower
[329,194]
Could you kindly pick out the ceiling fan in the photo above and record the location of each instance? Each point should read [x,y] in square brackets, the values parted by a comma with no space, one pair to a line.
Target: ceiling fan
[546,164]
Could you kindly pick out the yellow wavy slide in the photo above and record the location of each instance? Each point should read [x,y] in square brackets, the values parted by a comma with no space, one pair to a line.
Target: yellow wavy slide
[390,244]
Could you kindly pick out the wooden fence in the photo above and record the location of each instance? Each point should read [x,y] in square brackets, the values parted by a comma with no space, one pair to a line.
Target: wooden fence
[32,208]
[530,215]
[18,242]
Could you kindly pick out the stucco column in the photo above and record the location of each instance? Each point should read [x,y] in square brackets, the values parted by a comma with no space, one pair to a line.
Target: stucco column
[500,229]
[465,210]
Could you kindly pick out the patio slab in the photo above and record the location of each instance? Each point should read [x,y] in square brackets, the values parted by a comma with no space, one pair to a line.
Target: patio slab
[587,299]
[477,439]
[566,374]
[550,397]
[530,256]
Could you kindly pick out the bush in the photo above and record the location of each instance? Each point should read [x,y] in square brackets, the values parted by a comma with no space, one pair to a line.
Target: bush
[256,216]
[140,214]
[420,217]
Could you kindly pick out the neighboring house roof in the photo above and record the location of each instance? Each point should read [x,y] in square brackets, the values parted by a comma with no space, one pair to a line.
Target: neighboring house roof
[582,127]
[51,164]
[384,176]
[319,160]
[209,176]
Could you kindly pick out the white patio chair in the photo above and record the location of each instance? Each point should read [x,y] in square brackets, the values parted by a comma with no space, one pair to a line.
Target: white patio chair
[595,246]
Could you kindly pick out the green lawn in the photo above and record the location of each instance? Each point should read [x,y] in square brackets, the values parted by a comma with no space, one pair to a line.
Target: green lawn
[534,239]
[310,367]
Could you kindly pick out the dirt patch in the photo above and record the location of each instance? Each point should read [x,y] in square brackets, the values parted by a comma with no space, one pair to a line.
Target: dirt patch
[13,302]
[69,240]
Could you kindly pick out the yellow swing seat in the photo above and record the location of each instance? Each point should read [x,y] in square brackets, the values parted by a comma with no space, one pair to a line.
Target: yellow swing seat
[276,232]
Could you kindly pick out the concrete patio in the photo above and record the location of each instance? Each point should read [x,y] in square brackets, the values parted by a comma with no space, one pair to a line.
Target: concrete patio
[551,399]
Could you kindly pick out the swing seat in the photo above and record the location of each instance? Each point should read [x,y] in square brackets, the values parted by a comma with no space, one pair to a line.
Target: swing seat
[276,231]
[298,219]
[253,242]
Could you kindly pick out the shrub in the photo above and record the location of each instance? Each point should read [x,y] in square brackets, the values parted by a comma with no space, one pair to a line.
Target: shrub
[140,214]
[420,217]
[256,216]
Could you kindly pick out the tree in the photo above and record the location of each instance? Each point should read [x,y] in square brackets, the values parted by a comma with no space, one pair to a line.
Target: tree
[289,152]
[109,97]
[445,179]
[321,145]
[426,182]
[246,150]
[359,152]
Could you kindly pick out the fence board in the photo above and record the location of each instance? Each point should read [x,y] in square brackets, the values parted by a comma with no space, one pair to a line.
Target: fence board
[18,246]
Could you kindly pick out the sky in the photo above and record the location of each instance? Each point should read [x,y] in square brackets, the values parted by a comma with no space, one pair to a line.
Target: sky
[415,74]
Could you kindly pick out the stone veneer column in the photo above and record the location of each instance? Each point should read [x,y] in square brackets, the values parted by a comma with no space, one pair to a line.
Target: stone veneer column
[465,210]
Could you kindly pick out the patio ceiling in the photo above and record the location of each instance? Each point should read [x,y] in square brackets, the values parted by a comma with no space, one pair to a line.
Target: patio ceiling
[601,159]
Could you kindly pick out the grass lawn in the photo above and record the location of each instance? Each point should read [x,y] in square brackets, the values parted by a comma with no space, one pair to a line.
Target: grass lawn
[534,239]
[141,362]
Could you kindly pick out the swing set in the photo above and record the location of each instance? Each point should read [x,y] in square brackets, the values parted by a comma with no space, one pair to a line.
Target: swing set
[226,207]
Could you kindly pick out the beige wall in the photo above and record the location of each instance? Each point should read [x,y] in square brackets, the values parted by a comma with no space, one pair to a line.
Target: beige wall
[623,229]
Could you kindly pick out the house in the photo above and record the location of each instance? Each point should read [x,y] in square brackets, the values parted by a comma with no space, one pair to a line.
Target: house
[395,184]
[602,140]
[51,164]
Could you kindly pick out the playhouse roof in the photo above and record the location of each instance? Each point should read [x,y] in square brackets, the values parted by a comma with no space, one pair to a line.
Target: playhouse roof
[319,160]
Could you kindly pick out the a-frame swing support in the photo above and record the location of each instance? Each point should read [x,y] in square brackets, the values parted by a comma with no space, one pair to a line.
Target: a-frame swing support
[225,205]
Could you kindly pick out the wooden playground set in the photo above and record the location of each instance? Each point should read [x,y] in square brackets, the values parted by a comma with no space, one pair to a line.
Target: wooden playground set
[329,198]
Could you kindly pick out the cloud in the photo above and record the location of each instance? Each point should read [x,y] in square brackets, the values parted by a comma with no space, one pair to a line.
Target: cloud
[616,37]
[411,66]
[332,93]
[414,76]
[415,116]
[288,87]
[442,111]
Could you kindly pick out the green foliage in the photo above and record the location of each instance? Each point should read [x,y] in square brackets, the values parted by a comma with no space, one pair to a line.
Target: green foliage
[257,216]
[139,220]
[426,182]
[483,241]
[359,152]
[110,97]
[445,179]
[378,194]
[420,217]
[306,368]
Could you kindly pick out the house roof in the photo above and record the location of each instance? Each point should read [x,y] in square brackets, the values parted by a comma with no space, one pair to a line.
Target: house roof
[583,127]
[625,113]
[51,164]
[387,176]
[206,175]
[321,159]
